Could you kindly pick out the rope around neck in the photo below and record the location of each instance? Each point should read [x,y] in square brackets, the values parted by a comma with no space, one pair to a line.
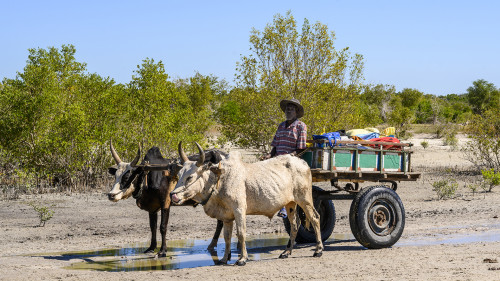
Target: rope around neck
[303,151]
[212,189]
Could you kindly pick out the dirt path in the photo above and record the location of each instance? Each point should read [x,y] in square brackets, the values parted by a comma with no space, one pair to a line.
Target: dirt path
[455,239]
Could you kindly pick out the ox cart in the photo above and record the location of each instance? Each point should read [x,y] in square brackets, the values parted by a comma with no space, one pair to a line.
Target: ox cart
[376,215]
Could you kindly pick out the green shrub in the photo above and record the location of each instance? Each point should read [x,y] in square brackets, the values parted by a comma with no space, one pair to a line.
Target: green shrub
[44,212]
[249,114]
[490,179]
[484,148]
[424,144]
[448,132]
[450,140]
[445,188]
[473,187]
[57,119]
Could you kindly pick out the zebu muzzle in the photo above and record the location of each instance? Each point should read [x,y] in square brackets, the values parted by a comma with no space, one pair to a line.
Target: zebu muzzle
[182,194]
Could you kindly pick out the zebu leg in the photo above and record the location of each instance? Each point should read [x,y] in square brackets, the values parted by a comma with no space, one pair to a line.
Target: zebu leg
[241,228]
[153,219]
[313,216]
[291,210]
[218,229]
[228,229]
[166,187]
[165,212]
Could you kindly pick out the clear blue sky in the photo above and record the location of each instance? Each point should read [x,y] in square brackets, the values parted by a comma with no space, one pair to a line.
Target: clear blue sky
[438,47]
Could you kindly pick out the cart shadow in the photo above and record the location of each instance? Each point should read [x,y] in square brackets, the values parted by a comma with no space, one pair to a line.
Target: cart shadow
[333,245]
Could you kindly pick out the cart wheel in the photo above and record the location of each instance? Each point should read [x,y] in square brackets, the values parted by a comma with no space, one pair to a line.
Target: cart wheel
[377,217]
[326,211]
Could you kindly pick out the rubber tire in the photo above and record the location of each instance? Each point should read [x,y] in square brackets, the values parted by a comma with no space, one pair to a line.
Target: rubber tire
[353,210]
[326,211]
[363,225]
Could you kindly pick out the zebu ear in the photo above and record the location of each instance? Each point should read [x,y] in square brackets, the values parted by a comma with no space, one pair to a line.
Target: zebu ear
[175,168]
[137,157]
[112,170]
[216,169]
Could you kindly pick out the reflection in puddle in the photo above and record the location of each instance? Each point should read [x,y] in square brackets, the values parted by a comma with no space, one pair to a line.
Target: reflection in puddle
[191,253]
[180,254]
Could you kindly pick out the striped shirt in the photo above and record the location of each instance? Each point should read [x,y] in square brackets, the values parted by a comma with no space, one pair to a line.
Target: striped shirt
[288,139]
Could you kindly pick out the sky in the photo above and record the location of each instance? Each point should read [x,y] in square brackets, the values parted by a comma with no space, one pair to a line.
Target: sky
[437,47]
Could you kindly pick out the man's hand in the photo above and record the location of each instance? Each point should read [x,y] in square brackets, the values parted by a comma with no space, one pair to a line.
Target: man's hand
[265,157]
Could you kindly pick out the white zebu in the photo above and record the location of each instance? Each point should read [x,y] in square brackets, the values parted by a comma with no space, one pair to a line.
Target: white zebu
[242,189]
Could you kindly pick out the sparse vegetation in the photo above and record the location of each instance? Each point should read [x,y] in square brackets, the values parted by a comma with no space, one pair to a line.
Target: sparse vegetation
[445,188]
[484,148]
[424,144]
[424,129]
[44,212]
[448,132]
[451,140]
[490,179]
[473,187]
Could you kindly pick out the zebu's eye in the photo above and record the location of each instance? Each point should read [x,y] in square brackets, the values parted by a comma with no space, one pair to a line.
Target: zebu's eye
[189,179]
[124,179]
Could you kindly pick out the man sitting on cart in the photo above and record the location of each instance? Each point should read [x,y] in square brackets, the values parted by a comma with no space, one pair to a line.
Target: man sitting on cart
[291,135]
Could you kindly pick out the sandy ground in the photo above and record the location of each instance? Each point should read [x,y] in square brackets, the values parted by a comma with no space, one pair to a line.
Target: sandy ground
[454,239]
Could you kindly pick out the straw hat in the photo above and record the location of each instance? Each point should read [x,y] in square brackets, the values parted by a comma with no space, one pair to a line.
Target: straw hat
[296,102]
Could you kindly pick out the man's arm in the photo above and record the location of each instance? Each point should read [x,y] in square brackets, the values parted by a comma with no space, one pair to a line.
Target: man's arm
[273,152]
[301,140]
[270,155]
[297,151]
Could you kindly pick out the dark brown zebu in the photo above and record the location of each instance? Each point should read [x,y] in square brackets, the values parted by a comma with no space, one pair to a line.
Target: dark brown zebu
[151,188]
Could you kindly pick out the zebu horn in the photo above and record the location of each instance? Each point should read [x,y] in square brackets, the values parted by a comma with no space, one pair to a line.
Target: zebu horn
[182,154]
[113,152]
[137,157]
[201,160]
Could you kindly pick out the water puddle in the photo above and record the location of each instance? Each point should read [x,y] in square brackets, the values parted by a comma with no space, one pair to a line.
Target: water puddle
[192,253]
[187,253]
[484,225]
[455,239]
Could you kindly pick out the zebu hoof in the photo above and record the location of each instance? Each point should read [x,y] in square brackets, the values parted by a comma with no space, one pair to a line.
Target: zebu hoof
[162,254]
[149,251]
[221,262]
[284,256]
[241,262]
[318,254]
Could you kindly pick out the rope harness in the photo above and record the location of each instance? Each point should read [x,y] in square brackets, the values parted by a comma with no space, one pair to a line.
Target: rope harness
[142,181]
[218,173]
[303,151]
